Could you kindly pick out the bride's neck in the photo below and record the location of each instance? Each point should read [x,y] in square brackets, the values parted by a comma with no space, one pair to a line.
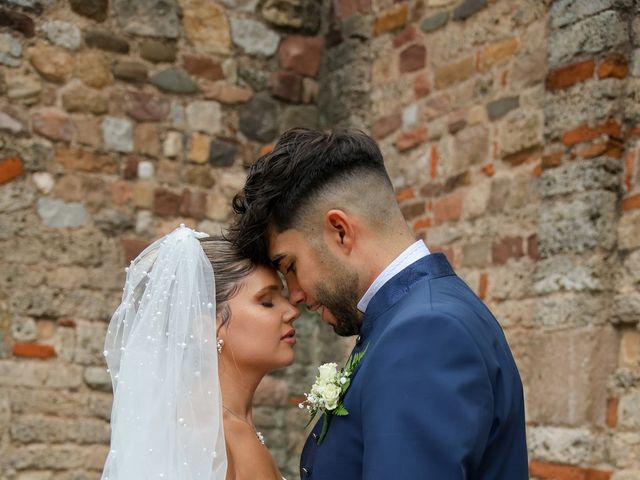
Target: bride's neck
[238,387]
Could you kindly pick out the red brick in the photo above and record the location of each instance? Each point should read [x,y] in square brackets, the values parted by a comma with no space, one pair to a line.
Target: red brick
[295,400]
[612,147]
[10,168]
[449,208]
[266,149]
[53,124]
[286,86]
[393,18]
[532,247]
[405,194]
[166,203]
[551,160]
[613,66]
[537,171]
[570,75]
[413,58]
[130,167]
[631,203]
[489,170]
[408,35]
[421,85]
[505,248]
[193,204]
[132,247]
[203,67]
[383,126]
[483,286]
[585,133]
[556,471]
[612,412]
[411,138]
[33,350]
[67,322]
[301,54]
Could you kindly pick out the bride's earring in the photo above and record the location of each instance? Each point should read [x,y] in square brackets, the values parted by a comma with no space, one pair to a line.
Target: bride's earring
[219,345]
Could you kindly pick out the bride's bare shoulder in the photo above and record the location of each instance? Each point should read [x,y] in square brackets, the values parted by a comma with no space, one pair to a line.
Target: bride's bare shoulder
[247,458]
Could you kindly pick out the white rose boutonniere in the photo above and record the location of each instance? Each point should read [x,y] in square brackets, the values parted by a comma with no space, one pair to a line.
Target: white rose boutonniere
[329,390]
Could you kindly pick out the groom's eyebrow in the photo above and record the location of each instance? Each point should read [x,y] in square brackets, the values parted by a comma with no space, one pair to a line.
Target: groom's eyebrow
[275,261]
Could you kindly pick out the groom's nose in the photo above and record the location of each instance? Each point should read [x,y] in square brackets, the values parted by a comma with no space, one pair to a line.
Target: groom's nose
[296,294]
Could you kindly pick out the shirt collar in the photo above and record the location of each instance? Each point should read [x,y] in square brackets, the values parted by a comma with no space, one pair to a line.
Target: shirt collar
[415,252]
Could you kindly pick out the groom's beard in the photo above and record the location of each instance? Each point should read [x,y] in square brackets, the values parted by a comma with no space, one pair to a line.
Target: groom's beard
[342,300]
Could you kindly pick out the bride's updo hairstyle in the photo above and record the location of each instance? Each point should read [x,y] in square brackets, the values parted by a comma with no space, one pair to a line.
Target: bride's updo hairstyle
[229,269]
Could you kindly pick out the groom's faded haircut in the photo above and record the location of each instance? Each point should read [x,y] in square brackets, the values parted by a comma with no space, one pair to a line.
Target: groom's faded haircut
[304,168]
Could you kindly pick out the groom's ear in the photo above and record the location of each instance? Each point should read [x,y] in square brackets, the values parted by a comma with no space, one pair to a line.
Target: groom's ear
[339,232]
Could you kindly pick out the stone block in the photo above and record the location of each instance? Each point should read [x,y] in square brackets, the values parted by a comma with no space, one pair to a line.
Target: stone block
[476,254]
[152,18]
[520,133]
[225,92]
[595,174]
[629,410]
[106,40]
[259,118]
[580,274]
[90,343]
[499,108]
[565,374]
[299,116]
[128,71]
[578,225]
[452,73]
[58,214]
[626,308]
[413,58]
[62,34]
[147,139]
[434,22]
[302,15]
[203,67]
[301,54]
[146,107]
[254,37]
[476,200]
[78,98]
[158,51]
[467,8]
[204,116]
[604,31]
[392,18]
[93,68]
[40,429]
[573,446]
[566,12]
[174,80]
[625,449]
[94,9]
[512,281]
[117,134]
[471,147]
[54,64]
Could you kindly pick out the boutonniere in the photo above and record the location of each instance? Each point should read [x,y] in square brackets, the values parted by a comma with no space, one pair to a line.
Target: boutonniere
[329,390]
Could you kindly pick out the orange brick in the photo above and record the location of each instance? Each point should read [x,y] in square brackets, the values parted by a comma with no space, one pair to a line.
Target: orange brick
[614,66]
[433,162]
[556,471]
[632,202]
[612,147]
[405,194]
[498,52]
[585,133]
[411,138]
[266,149]
[537,171]
[612,412]
[421,224]
[67,322]
[482,287]
[570,75]
[391,19]
[489,170]
[296,400]
[33,350]
[10,168]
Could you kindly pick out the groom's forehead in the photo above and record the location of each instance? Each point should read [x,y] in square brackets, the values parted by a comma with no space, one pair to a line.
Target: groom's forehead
[283,244]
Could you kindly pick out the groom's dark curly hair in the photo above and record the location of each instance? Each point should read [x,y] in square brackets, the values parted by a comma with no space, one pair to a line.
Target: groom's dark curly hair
[284,184]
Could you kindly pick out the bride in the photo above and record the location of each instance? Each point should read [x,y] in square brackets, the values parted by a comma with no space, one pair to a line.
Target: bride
[199,326]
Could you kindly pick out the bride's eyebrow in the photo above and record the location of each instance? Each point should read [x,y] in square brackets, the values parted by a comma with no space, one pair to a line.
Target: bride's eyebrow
[269,288]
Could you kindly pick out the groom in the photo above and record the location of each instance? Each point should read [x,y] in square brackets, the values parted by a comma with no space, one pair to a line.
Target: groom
[437,393]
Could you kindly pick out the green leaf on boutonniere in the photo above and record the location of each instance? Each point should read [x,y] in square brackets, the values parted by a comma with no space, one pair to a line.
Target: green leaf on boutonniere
[340,411]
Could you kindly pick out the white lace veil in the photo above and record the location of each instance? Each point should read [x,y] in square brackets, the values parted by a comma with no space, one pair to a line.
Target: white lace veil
[166,421]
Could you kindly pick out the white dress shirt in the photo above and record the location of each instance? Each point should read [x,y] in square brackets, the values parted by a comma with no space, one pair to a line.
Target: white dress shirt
[415,252]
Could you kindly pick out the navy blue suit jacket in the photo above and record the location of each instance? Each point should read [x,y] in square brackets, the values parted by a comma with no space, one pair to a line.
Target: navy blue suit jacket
[437,394]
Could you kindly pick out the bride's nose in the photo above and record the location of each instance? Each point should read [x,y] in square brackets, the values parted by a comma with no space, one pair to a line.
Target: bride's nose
[292,314]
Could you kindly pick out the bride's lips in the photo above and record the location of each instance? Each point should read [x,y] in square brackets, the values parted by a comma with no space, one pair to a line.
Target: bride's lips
[289,337]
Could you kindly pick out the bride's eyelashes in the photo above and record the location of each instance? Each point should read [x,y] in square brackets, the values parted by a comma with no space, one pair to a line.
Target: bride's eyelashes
[291,268]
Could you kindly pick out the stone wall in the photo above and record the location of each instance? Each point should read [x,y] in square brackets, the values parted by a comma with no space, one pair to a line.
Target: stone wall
[510,129]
